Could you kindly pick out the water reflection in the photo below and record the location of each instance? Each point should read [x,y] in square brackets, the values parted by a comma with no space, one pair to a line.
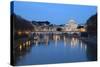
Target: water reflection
[83,46]
[23,45]
[56,38]
[73,42]
[70,48]
[36,42]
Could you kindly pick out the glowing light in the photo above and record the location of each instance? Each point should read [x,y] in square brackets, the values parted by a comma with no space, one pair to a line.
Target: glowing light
[74,42]
[36,43]
[82,30]
[29,42]
[81,44]
[26,32]
[26,42]
[19,32]
[65,41]
[20,47]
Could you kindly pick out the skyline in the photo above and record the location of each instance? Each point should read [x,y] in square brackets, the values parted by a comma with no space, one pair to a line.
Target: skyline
[54,13]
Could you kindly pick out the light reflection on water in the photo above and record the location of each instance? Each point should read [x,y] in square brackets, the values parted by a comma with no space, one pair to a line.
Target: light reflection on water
[52,49]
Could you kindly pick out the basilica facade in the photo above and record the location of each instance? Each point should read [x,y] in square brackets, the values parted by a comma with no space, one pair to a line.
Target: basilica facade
[71,26]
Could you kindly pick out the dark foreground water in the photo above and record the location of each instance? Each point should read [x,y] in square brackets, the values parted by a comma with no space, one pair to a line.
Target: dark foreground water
[54,49]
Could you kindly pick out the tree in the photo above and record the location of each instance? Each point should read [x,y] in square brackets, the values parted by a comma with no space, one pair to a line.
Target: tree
[92,25]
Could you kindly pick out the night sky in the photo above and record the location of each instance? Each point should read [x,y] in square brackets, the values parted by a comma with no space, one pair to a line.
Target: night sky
[54,13]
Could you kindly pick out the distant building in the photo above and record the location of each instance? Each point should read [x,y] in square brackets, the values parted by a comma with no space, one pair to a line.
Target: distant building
[71,25]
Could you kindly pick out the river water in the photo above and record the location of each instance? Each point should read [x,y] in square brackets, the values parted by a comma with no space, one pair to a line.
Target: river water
[54,49]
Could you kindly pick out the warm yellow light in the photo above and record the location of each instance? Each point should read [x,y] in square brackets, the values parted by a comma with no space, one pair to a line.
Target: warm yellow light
[20,47]
[26,32]
[19,32]
[29,43]
[26,42]
[82,30]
